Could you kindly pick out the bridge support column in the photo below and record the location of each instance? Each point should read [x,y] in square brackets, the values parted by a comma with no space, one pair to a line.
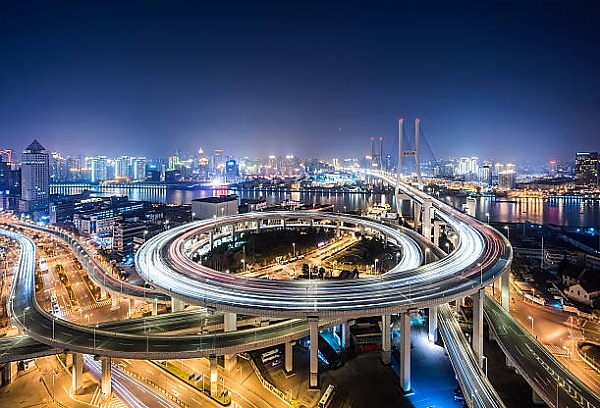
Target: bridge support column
[176,305]
[13,371]
[131,307]
[478,324]
[386,340]
[345,335]
[505,289]
[214,374]
[433,324]
[313,380]
[114,297]
[103,293]
[154,308]
[230,362]
[289,359]
[405,352]
[211,239]
[229,322]
[106,376]
[416,215]
[427,217]
[77,374]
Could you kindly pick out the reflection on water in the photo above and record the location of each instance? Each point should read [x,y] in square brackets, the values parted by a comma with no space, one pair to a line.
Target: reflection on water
[569,212]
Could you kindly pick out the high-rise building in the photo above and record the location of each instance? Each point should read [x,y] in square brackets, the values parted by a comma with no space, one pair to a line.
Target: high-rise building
[138,168]
[122,168]
[587,168]
[35,179]
[99,169]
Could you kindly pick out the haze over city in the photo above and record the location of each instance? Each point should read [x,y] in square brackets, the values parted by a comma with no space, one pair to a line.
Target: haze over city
[503,79]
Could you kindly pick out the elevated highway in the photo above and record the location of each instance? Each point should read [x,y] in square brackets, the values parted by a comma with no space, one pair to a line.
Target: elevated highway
[480,256]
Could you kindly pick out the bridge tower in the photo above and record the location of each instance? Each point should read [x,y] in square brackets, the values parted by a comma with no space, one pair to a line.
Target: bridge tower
[408,153]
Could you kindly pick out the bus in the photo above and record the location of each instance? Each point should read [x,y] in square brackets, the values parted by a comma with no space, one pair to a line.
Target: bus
[269,355]
[42,264]
[327,396]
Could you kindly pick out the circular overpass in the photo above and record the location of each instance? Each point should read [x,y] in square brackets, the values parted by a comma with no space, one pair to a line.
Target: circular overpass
[478,258]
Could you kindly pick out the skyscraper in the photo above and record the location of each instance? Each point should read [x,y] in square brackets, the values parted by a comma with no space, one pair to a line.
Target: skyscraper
[35,179]
[586,169]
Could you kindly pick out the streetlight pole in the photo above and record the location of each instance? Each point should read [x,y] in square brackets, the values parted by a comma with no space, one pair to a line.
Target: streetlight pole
[294,249]
[507,228]
[375,269]
[487,214]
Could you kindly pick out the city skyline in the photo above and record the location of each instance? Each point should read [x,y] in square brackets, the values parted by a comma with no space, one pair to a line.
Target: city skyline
[487,79]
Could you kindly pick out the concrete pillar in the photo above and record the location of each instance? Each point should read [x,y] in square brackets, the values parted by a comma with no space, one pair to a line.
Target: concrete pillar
[114,300]
[289,359]
[405,352]
[177,305]
[13,371]
[338,230]
[283,223]
[103,293]
[154,308]
[505,289]
[214,374]
[230,362]
[437,227]
[229,322]
[77,374]
[427,217]
[131,307]
[433,324]
[416,215]
[478,324]
[232,234]
[313,381]
[68,359]
[386,339]
[211,239]
[345,335]
[106,376]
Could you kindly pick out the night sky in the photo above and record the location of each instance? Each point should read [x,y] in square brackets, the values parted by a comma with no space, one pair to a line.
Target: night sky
[507,80]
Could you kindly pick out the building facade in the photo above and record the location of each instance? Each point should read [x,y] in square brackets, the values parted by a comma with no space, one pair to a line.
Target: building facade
[35,179]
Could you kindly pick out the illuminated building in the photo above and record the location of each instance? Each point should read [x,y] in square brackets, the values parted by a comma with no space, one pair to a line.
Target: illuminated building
[99,169]
[586,169]
[205,208]
[35,179]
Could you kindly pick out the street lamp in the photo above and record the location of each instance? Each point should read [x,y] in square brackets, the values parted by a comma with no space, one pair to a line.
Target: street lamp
[294,249]
[558,386]
[507,232]
[488,217]
[375,270]
[531,318]
[447,247]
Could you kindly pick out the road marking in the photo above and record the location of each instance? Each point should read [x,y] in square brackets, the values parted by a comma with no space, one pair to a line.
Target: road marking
[196,401]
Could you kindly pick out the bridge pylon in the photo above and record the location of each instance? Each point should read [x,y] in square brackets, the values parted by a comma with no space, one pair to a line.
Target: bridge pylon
[411,154]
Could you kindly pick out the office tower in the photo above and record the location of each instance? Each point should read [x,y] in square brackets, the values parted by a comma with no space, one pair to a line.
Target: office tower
[138,169]
[35,179]
[99,169]
[122,168]
[586,169]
